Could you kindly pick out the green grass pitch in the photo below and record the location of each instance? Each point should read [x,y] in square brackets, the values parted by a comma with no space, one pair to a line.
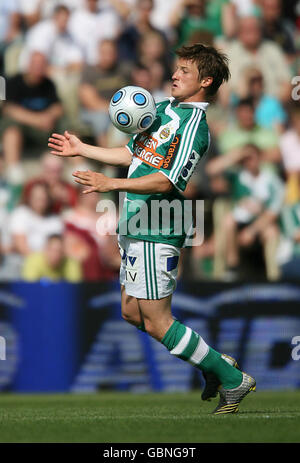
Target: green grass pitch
[157,418]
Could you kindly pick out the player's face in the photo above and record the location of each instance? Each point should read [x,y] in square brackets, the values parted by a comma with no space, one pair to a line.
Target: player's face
[186,82]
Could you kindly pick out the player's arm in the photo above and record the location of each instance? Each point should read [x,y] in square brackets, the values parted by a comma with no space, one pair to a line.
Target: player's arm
[148,184]
[69,145]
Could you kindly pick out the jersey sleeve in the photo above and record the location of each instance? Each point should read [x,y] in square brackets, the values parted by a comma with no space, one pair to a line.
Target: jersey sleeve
[188,146]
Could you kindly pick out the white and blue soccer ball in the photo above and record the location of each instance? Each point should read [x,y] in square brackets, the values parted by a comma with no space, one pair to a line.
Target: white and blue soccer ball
[132,109]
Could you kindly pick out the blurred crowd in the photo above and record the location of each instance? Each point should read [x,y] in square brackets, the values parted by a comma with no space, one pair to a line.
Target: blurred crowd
[63,60]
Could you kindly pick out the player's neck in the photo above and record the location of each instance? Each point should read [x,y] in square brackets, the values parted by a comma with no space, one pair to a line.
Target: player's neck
[199,97]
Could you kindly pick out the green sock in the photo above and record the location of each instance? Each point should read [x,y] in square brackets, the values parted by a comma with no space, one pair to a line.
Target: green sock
[228,375]
[187,345]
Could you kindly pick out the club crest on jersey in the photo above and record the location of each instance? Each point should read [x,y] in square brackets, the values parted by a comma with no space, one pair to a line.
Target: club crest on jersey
[165,133]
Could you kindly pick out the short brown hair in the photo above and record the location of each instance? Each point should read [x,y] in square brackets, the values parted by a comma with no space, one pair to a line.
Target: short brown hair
[210,63]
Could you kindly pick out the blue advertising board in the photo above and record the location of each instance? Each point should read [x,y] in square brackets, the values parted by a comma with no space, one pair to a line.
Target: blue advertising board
[62,337]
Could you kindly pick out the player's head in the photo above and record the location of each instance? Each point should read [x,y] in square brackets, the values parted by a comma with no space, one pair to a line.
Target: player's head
[201,70]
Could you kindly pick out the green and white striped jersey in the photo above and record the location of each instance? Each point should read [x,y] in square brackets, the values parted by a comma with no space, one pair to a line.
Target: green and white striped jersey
[173,145]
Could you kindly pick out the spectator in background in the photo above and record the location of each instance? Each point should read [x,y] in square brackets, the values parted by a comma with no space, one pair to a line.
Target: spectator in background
[51,263]
[141,76]
[10,26]
[153,48]
[51,37]
[288,254]
[247,7]
[290,150]
[31,112]
[90,25]
[32,222]
[34,11]
[63,195]
[161,15]
[140,25]
[152,78]
[191,16]
[9,198]
[29,227]
[276,28]
[98,84]
[98,253]
[250,49]
[258,196]
[269,112]
[160,85]
[245,131]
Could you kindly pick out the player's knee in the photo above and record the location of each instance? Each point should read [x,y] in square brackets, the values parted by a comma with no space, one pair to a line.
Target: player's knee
[130,318]
[126,316]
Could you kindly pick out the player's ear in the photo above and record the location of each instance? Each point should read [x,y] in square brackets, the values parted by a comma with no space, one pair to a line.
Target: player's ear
[207,81]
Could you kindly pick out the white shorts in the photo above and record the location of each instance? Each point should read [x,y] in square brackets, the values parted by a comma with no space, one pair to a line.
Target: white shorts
[148,269]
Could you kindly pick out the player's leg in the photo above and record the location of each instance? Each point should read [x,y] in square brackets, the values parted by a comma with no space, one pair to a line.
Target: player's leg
[130,310]
[157,267]
[148,272]
[188,345]
[184,343]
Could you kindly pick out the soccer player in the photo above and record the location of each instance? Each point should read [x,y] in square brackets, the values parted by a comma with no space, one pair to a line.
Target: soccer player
[161,161]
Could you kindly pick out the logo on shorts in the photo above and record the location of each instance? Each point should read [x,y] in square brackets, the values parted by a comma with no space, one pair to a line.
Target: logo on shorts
[131,271]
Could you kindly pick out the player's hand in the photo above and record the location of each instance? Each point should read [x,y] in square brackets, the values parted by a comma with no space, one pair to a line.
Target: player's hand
[65,145]
[94,180]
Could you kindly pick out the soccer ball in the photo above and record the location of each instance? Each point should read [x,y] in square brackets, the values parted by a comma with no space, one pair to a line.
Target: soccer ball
[132,109]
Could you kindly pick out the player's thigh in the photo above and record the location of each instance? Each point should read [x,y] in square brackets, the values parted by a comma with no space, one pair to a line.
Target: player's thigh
[130,308]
